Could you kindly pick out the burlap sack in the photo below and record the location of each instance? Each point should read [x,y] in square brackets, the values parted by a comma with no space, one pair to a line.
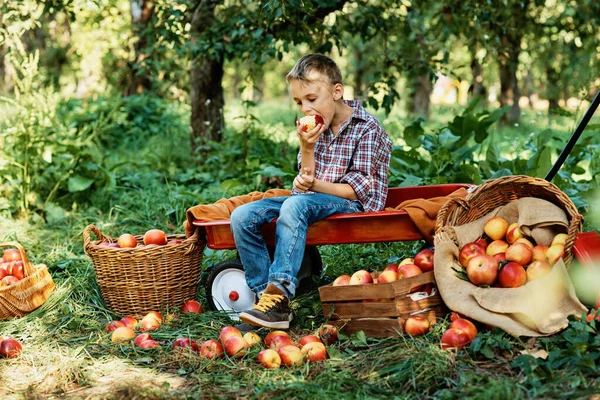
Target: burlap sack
[540,307]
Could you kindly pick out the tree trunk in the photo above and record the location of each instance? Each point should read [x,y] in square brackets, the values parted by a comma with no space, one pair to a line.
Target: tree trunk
[477,87]
[360,90]
[553,91]
[420,95]
[141,16]
[509,86]
[206,91]
[3,81]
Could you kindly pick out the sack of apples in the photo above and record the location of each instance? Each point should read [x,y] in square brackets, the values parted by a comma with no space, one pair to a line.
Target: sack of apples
[502,255]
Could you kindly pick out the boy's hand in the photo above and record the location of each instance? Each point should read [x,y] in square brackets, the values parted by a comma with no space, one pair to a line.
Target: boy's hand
[304,181]
[308,140]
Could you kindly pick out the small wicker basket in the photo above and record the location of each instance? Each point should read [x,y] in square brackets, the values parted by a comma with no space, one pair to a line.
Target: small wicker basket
[138,280]
[501,191]
[24,296]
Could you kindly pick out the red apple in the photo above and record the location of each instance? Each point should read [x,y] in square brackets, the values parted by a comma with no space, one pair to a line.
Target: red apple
[314,351]
[129,321]
[512,275]
[113,325]
[155,236]
[273,334]
[391,267]
[151,321]
[555,253]
[342,280]
[454,316]
[469,251]
[11,255]
[10,348]
[308,339]
[466,326]
[142,337]
[328,334]
[387,276]
[513,232]
[496,228]
[15,268]
[416,325]
[539,252]
[192,306]
[497,246]
[122,334]
[149,344]
[424,260]
[279,341]
[482,242]
[3,273]
[185,343]
[309,122]
[8,280]
[500,257]
[408,271]
[290,355]
[211,349]
[174,242]
[228,332]
[127,240]
[525,241]
[537,269]
[361,277]
[235,346]
[520,253]
[454,339]
[269,358]
[252,338]
[482,270]
[113,245]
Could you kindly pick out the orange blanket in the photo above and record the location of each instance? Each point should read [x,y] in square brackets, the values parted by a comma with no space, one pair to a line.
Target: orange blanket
[423,212]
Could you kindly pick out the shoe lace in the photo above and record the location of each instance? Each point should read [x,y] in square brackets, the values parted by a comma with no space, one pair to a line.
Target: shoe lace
[267,301]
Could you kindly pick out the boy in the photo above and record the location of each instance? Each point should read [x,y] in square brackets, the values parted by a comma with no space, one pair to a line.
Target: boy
[344,164]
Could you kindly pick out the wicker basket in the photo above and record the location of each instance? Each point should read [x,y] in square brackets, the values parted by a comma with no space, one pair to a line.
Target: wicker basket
[136,281]
[21,298]
[498,192]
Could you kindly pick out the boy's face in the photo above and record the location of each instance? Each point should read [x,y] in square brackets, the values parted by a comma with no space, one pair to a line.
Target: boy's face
[316,97]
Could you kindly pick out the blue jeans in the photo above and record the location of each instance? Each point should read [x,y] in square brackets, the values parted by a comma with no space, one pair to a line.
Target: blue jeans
[294,214]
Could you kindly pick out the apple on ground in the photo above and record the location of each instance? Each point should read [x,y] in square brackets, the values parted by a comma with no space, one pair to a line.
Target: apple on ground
[512,275]
[387,276]
[129,321]
[424,260]
[328,334]
[391,267]
[513,232]
[211,349]
[537,269]
[252,338]
[469,251]
[309,339]
[454,339]
[314,351]
[290,355]
[555,253]
[269,358]
[10,348]
[495,247]
[361,277]
[192,306]
[482,270]
[235,346]
[539,252]
[272,334]
[151,321]
[122,334]
[185,343]
[416,325]
[496,228]
[454,316]
[228,332]
[113,325]
[279,341]
[149,344]
[520,253]
[561,238]
[142,337]
[466,326]
[342,280]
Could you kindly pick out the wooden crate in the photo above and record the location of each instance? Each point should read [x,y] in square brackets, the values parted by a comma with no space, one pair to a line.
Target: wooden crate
[380,309]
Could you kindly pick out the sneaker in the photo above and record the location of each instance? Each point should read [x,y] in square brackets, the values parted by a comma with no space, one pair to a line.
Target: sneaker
[244,327]
[272,310]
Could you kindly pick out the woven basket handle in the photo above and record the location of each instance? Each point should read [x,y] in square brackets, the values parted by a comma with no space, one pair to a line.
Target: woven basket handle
[97,233]
[27,268]
[447,209]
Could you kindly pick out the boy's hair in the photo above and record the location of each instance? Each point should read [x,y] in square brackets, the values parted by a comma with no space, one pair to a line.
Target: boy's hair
[315,63]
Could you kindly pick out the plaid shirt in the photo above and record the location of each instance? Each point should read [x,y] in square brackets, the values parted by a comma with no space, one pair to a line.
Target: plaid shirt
[359,155]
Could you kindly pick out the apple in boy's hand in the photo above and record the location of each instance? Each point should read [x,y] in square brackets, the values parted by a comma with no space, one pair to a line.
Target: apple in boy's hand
[309,122]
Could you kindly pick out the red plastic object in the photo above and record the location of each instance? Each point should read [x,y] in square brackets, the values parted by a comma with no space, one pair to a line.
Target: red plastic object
[364,227]
[233,295]
[587,248]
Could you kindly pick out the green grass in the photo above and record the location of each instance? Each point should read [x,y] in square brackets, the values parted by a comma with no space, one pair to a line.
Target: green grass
[68,354]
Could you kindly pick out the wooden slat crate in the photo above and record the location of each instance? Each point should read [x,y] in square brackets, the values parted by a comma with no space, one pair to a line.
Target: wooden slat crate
[380,309]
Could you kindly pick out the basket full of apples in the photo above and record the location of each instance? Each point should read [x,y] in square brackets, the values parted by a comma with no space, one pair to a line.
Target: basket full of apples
[140,273]
[23,286]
